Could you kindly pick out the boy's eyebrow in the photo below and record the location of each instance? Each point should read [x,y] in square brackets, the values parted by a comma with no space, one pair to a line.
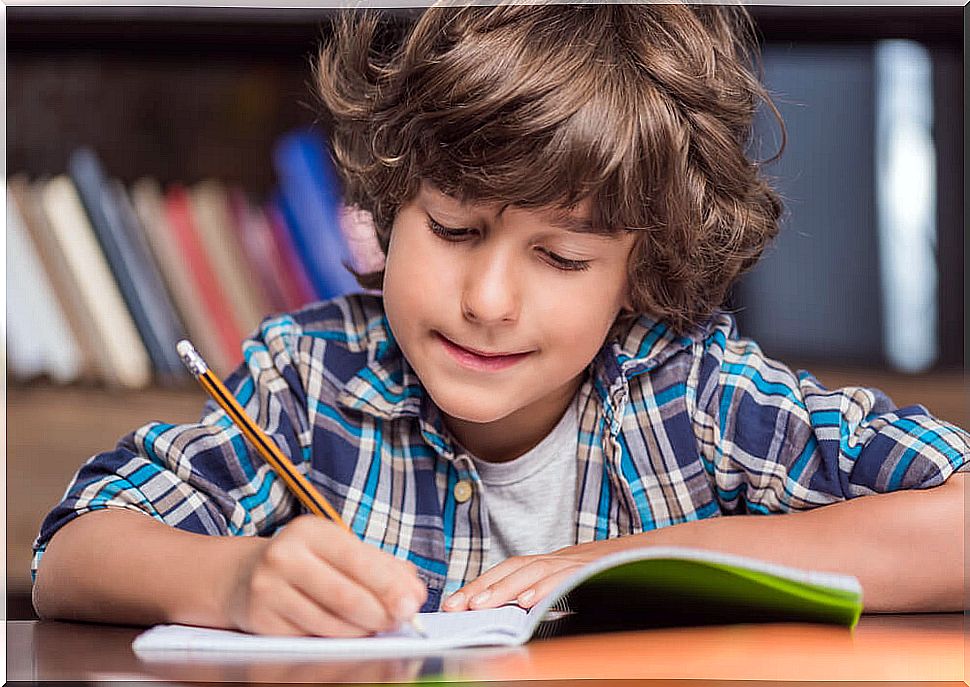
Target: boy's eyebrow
[568,222]
[579,225]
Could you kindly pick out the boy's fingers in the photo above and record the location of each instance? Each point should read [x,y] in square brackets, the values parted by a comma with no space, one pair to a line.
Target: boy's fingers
[343,596]
[309,618]
[276,625]
[533,576]
[459,601]
[510,586]
[270,618]
[529,597]
[395,585]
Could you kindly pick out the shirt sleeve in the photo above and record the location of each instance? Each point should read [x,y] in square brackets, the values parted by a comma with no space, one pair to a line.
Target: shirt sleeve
[776,441]
[204,477]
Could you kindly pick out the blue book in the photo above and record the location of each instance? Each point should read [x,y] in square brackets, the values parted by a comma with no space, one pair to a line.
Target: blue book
[131,263]
[311,199]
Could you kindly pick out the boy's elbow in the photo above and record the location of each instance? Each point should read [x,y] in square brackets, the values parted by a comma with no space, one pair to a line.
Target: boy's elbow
[43,593]
[58,572]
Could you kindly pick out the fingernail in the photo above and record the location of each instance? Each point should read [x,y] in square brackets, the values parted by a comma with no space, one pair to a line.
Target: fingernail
[526,596]
[407,608]
[481,598]
[455,600]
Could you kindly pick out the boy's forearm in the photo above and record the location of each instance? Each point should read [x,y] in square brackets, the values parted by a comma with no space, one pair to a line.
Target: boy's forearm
[120,566]
[905,547]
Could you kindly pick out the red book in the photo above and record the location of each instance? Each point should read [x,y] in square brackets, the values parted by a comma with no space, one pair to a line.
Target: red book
[293,277]
[179,210]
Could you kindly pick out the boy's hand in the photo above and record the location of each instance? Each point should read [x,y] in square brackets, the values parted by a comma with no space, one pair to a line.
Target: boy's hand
[313,578]
[524,580]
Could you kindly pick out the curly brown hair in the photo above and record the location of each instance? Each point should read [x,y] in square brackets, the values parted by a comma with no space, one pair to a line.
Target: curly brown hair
[646,109]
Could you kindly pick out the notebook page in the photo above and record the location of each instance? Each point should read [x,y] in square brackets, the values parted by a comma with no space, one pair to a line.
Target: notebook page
[505,626]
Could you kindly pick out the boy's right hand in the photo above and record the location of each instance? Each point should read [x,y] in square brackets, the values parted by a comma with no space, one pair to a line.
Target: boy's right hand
[313,578]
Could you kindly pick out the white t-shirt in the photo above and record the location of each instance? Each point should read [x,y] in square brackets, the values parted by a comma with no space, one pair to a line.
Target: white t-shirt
[531,500]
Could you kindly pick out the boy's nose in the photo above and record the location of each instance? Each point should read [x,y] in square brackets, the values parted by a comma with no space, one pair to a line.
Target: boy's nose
[490,295]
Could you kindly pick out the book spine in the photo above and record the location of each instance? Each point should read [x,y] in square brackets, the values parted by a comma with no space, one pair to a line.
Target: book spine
[292,272]
[257,243]
[161,311]
[220,241]
[149,203]
[25,197]
[211,291]
[89,179]
[39,339]
[310,194]
[128,361]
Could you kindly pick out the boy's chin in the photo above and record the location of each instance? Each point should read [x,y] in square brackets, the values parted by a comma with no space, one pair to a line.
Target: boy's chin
[461,407]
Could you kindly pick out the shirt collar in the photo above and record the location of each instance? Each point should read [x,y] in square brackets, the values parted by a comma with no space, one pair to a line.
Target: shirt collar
[386,386]
[647,344]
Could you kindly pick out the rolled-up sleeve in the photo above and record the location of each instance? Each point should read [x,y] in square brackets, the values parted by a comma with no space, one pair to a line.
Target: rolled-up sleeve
[773,440]
[204,477]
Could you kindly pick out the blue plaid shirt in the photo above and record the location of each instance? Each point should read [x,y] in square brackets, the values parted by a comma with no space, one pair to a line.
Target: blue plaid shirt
[672,429]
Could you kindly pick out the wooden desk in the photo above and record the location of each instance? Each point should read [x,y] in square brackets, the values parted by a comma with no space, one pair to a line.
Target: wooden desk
[915,648]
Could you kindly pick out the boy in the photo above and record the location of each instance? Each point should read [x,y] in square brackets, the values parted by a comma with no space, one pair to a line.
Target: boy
[563,199]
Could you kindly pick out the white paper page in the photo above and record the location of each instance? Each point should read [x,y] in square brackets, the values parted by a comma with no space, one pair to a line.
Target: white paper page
[505,626]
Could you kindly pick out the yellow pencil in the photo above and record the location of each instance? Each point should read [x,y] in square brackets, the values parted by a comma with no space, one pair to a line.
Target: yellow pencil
[270,452]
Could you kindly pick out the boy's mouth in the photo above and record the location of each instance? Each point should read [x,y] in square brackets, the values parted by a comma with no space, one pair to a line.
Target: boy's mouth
[477,359]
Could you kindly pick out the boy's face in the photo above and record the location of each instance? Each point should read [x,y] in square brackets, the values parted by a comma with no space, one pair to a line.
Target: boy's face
[499,311]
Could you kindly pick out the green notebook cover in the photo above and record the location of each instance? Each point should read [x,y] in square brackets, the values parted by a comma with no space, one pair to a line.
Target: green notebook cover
[674,586]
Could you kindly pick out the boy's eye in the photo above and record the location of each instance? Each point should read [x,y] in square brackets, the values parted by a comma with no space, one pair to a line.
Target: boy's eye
[562,263]
[446,232]
[557,261]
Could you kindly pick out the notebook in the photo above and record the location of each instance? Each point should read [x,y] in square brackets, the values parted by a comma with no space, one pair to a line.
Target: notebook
[637,589]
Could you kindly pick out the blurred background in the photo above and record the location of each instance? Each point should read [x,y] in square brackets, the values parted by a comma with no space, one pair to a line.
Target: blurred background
[129,125]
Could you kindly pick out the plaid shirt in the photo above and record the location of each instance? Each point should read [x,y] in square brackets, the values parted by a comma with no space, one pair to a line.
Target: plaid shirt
[672,429]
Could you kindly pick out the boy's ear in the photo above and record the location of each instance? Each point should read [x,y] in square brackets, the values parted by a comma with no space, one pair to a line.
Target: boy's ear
[627,304]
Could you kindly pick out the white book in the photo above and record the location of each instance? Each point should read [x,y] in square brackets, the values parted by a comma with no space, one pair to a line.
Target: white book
[72,230]
[636,589]
[219,236]
[39,339]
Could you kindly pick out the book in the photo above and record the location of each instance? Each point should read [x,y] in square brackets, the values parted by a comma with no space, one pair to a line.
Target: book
[211,291]
[25,197]
[310,201]
[119,343]
[643,588]
[39,338]
[220,239]
[162,313]
[149,203]
[257,242]
[294,280]
[132,273]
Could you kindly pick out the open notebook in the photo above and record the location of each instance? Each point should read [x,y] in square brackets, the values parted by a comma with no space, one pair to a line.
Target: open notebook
[638,589]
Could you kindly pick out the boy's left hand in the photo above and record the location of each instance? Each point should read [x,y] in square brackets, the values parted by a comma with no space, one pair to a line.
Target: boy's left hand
[524,580]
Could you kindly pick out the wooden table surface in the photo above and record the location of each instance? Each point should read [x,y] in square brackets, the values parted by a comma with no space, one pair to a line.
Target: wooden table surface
[918,648]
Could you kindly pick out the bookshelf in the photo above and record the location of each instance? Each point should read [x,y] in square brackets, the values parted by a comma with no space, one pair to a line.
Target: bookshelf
[189,93]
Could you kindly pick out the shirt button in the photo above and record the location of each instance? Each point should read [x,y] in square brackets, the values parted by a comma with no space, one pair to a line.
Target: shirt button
[463,491]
